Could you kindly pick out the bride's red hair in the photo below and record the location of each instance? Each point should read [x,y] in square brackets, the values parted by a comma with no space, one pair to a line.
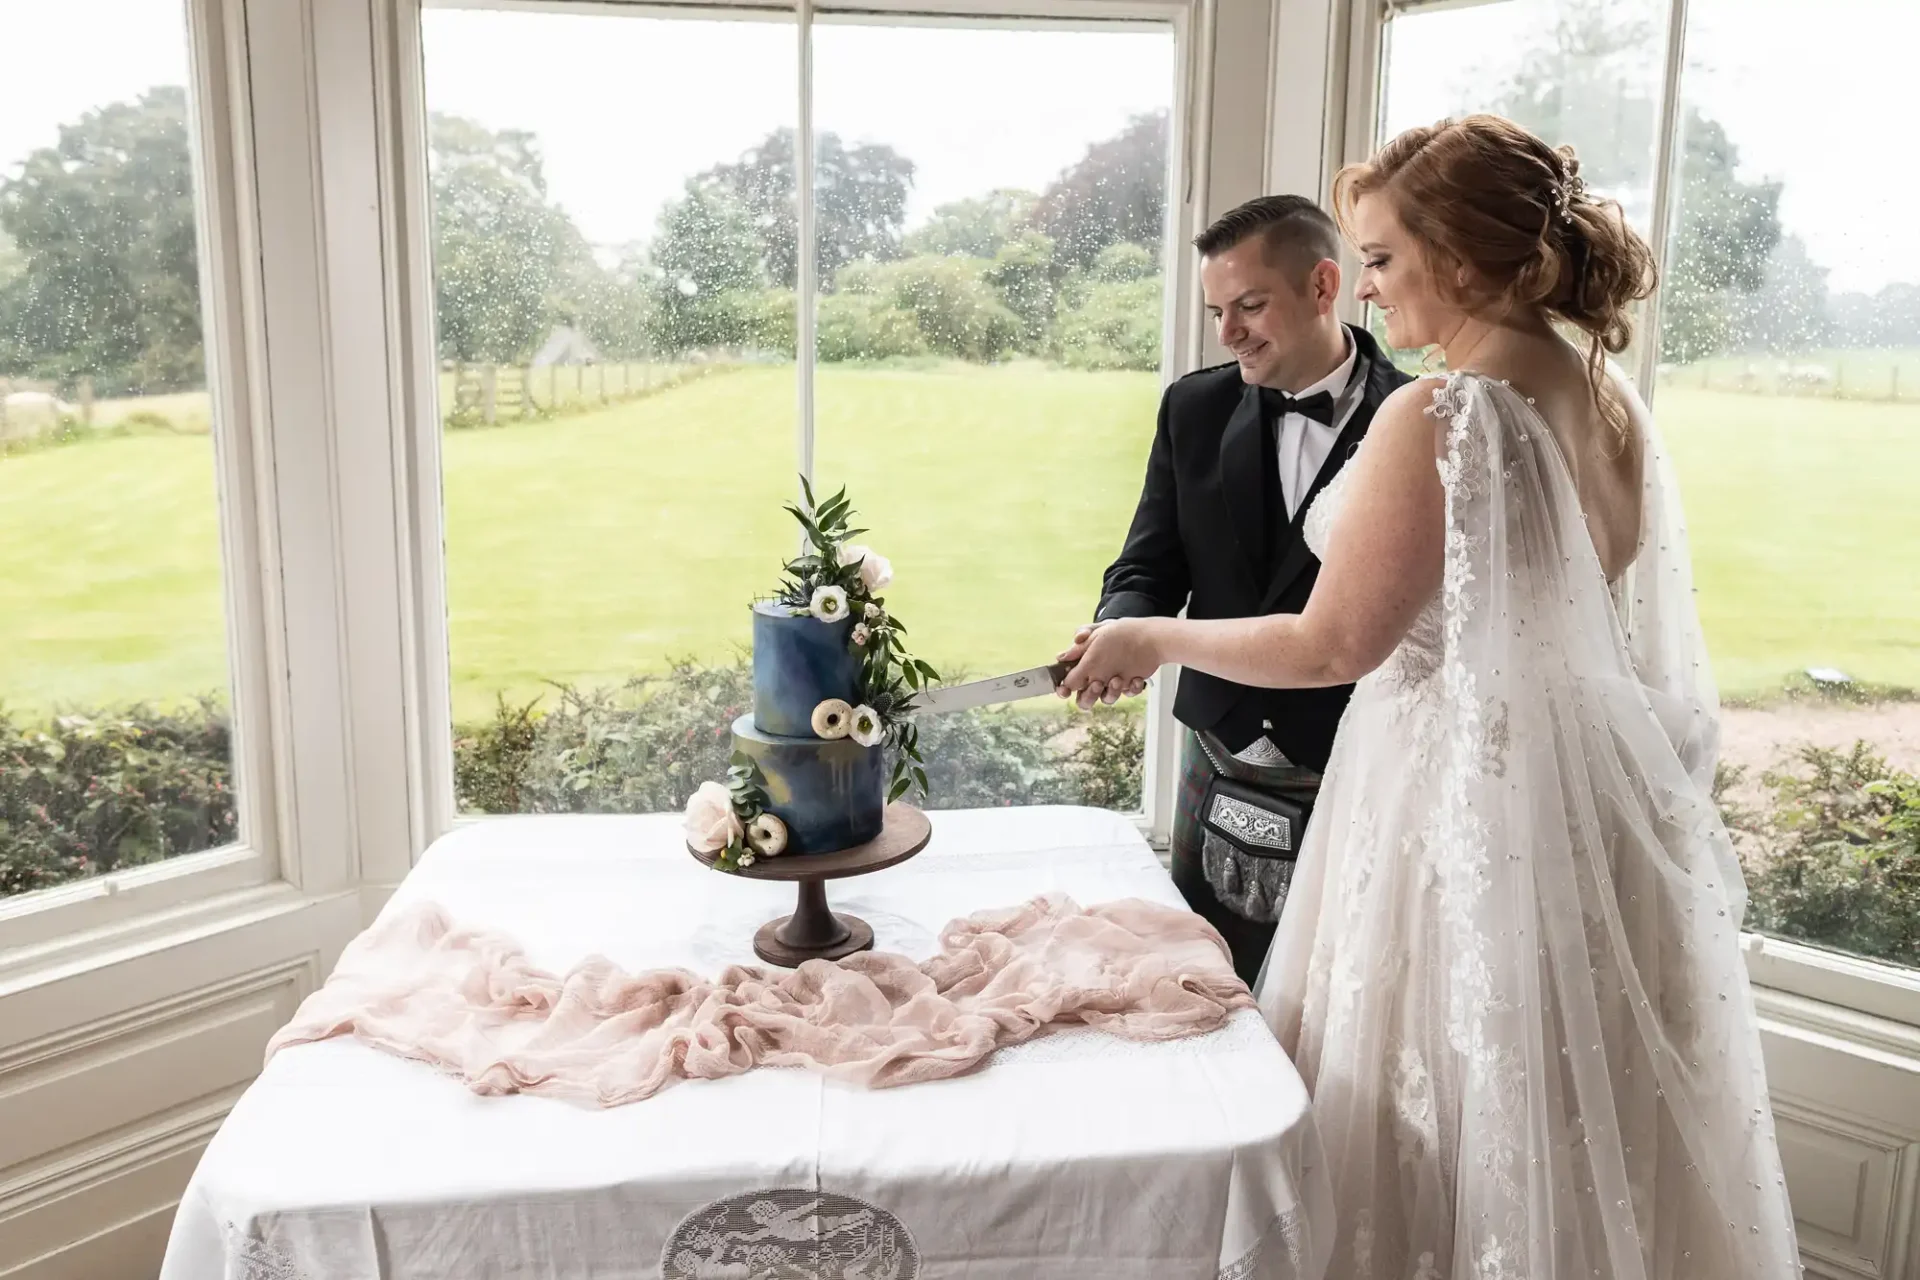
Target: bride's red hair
[1486,194]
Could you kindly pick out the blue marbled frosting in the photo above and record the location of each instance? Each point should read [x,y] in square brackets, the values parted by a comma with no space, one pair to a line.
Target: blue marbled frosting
[831,794]
[798,663]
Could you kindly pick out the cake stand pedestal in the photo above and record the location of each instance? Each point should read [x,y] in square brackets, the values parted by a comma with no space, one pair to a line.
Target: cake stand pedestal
[814,931]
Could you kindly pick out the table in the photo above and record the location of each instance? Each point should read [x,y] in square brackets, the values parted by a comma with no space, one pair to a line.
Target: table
[1076,1155]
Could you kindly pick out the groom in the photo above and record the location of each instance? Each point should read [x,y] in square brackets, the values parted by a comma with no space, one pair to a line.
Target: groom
[1240,452]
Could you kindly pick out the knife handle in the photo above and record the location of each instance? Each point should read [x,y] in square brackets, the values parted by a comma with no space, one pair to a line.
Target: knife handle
[1057,671]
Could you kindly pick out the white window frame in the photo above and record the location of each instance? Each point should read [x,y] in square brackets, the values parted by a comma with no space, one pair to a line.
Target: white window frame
[46,925]
[1783,969]
[1218,126]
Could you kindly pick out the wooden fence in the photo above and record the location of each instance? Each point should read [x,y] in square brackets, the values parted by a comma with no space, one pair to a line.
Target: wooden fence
[488,394]
[1885,377]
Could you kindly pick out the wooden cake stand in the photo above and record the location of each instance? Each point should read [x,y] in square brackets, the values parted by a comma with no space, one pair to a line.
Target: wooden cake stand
[813,932]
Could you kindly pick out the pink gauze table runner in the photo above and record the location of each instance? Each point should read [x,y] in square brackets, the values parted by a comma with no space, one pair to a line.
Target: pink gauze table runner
[470,1002]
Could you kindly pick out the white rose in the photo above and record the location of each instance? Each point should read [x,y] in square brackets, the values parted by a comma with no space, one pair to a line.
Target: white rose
[860,635]
[874,612]
[829,603]
[866,726]
[875,571]
[712,824]
[768,836]
[832,718]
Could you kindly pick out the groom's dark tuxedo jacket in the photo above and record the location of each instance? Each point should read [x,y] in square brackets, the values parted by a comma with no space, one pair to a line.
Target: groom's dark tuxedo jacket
[1212,534]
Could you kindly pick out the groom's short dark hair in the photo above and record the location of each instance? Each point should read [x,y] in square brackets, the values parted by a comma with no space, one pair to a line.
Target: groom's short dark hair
[1297,232]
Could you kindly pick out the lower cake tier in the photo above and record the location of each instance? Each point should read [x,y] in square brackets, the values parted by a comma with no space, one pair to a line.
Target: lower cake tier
[831,794]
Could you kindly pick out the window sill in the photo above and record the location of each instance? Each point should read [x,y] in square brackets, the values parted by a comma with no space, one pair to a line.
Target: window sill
[143,926]
[84,907]
[1856,990]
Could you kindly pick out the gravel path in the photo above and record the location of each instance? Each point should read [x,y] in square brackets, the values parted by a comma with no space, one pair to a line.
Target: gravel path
[1762,738]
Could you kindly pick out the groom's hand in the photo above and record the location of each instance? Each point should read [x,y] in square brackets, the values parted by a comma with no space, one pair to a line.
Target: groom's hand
[1110,691]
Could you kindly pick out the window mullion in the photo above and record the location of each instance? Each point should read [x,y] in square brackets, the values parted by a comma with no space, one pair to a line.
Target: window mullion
[1666,165]
[804,283]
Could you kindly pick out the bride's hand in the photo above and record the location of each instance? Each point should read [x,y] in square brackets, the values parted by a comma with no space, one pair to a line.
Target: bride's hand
[1109,660]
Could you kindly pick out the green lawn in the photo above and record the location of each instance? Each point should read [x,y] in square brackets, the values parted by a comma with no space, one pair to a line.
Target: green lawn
[594,546]
[1805,525]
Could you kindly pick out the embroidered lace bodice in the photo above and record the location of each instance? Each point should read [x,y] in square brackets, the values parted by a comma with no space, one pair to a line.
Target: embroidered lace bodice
[1418,654]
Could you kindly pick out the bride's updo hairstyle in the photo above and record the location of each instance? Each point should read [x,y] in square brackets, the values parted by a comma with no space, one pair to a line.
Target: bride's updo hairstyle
[1485,194]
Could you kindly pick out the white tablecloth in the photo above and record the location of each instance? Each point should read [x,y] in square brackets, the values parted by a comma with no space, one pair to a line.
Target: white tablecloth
[1076,1155]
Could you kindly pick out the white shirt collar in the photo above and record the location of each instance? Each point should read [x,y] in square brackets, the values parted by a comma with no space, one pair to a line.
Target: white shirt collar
[1336,382]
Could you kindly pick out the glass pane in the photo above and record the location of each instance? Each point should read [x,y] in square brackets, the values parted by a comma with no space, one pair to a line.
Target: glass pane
[1789,393]
[617,389]
[114,689]
[989,358]
[1585,72]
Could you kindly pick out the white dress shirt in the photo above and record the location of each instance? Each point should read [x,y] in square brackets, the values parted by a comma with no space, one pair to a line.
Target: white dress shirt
[1304,444]
[1303,448]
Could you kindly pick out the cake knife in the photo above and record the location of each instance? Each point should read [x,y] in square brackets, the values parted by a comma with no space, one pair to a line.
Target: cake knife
[1011,687]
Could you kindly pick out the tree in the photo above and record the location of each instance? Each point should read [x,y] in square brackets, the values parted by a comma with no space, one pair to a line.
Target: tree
[1724,236]
[1788,313]
[1113,324]
[507,263]
[105,281]
[613,306]
[976,228]
[1116,192]
[1125,261]
[1110,313]
[706,270]
[1889,318]
[860,202]
[1588,82]
[956,310]
[866,326]
[1023,273]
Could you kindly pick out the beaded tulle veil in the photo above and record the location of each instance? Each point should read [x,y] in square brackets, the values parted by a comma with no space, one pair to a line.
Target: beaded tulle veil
[1510,967]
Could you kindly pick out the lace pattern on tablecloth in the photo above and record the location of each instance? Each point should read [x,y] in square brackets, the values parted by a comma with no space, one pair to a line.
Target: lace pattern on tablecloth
[250,1257]
[1282,1233]
[790,1231]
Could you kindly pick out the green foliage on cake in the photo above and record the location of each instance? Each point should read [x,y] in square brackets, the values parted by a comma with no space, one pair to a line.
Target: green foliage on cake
[840,578]
[835,585]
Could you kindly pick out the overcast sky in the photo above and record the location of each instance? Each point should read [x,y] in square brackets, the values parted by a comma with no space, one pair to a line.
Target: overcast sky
[625,108]
[1812,91]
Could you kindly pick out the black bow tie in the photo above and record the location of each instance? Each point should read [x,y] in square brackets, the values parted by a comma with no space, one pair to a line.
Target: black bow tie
[1318,406]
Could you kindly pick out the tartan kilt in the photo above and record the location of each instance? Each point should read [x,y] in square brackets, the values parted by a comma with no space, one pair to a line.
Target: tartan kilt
[1196,775]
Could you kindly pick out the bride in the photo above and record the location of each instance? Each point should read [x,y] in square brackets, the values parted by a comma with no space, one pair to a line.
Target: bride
[1509,968]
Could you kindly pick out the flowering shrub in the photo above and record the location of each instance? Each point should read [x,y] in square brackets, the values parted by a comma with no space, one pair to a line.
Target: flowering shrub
[85,794]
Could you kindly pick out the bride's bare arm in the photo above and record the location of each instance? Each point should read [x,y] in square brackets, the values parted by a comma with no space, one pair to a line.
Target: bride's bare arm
[1383,564]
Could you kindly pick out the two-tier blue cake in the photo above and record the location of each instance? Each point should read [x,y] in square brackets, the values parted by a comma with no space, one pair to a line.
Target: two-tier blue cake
[830,792]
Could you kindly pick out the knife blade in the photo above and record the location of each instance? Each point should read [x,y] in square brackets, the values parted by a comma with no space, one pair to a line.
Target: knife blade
[1011,687]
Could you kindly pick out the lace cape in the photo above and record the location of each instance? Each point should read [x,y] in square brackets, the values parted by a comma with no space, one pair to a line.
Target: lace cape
[1593,1068]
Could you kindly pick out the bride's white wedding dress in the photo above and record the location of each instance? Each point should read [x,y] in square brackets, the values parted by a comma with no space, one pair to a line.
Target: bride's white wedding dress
[1509,967]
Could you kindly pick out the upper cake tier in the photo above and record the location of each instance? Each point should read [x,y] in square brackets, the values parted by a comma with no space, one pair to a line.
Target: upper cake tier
[798,663]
